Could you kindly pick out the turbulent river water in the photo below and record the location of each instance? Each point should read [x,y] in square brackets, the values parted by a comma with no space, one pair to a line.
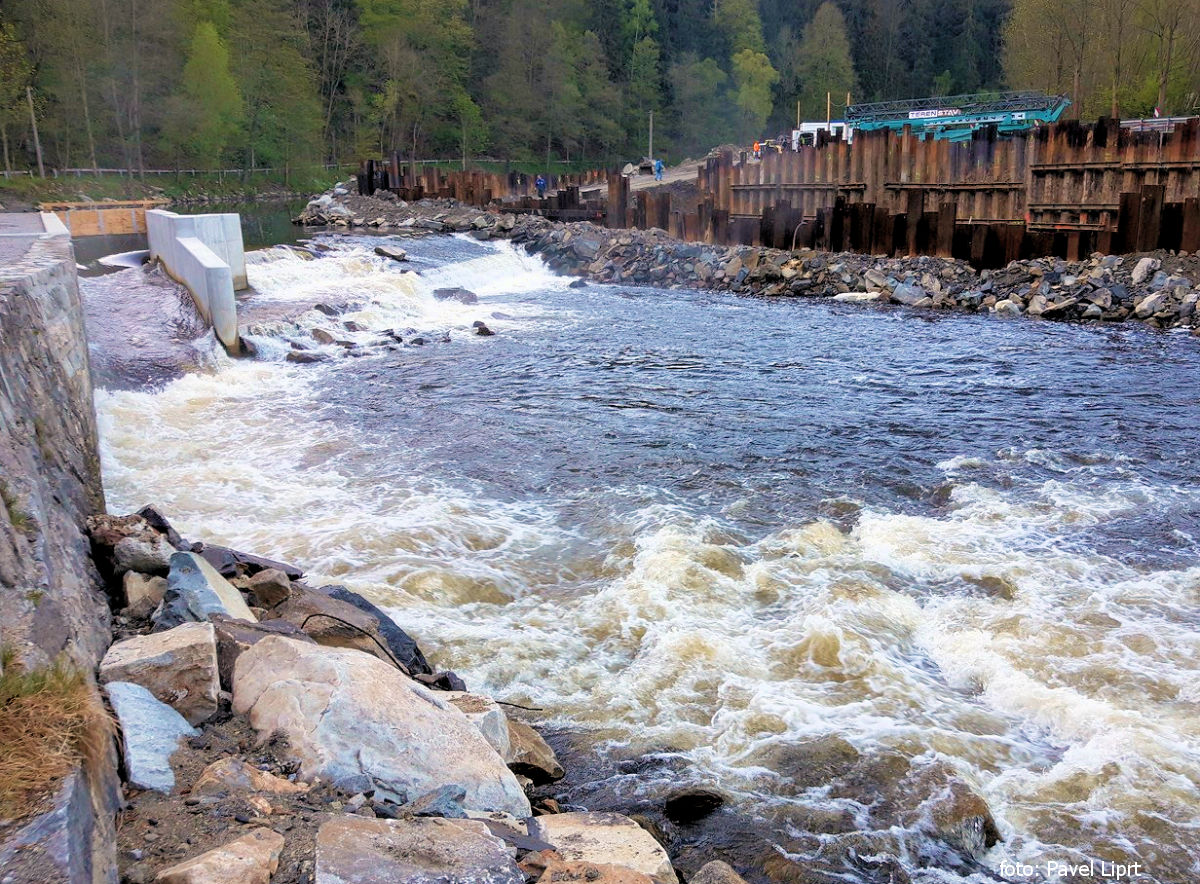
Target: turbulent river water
[725,528]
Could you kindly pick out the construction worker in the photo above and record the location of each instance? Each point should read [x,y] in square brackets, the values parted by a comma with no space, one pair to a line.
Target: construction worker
[757,151]
[540,184]
[658,170]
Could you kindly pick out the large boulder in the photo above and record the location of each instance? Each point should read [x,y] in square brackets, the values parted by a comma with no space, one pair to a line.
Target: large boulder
[486,714]
[604,838]
[530,756]
[233,563]
[426,850]
[128,543]
[178,666]
[1144,268]
[151,732]
[195,592]
[235,636]
[354,720]
[251,859]
[336,617]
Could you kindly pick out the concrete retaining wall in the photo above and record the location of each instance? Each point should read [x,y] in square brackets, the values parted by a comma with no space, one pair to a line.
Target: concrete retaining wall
[205,253]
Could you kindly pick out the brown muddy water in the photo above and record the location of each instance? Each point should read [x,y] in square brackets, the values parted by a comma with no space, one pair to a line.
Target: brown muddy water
[849,567]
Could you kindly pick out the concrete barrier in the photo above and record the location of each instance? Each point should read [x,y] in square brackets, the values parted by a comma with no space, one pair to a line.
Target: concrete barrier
[205,253]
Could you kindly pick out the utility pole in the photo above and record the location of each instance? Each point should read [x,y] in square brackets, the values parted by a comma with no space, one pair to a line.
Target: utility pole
[828,109]
[797,113]
[650,148]
[37,142]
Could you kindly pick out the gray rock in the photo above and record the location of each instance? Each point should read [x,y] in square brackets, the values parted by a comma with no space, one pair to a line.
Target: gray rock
[148,554]
[909,294]
[394,252]
[461,295]
[486,714]
[446,802]
[236,636]
[1151,304]
[333,615]
[57,846]
[195,591]
[1144,268]
[349,715]
[425,850]
[151,731]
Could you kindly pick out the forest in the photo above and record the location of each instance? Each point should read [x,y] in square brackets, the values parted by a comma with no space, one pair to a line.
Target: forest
[246,84]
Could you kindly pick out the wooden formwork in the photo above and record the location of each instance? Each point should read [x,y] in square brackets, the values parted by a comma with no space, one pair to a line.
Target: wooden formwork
[101,219]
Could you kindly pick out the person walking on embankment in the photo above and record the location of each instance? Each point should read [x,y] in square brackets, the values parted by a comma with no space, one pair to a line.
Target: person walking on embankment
[540,184]
[658,170]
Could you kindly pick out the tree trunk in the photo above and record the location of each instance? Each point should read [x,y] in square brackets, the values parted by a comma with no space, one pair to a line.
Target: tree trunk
[1164,74]
[4,141]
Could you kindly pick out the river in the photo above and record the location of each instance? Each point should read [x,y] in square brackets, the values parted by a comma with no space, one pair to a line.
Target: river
[748,538]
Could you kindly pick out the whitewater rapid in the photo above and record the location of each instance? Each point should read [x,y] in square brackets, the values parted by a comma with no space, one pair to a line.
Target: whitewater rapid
[661,577]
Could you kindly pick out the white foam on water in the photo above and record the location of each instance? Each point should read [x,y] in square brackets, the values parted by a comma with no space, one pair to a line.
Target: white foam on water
[1064,689]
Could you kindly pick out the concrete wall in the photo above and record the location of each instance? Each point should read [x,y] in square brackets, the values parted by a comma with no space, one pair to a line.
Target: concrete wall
[205,253]
[52,600]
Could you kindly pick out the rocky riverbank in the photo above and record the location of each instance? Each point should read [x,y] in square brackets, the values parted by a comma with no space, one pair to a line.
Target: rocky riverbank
[273,730]
[1160,289]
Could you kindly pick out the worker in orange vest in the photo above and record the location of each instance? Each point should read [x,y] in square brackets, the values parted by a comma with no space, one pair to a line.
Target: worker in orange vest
[757,150]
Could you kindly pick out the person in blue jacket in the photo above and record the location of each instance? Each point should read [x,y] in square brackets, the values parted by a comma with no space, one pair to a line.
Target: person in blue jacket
[658,170]
[540,184]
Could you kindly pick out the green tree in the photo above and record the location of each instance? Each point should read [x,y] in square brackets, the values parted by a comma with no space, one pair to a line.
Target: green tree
[15,72]
[739,23]
[422,51]
[205,114]
[644,93]
[753,79]
[282,118]
[700,90]
[599,99]
[823,64]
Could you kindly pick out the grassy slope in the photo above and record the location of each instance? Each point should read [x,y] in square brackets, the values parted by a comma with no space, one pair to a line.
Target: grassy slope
[25,192]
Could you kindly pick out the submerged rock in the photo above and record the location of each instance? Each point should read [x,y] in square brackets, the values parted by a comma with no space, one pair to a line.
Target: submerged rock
[460,295]
[394,252]
[354,720]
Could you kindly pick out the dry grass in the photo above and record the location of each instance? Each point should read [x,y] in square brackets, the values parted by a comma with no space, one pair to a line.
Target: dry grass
[50,720]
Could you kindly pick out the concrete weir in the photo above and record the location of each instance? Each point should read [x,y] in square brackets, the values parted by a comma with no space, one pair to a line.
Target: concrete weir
[205,254]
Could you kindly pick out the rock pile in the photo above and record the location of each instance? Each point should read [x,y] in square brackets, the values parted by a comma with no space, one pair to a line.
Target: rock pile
[1160,289]
[274,731]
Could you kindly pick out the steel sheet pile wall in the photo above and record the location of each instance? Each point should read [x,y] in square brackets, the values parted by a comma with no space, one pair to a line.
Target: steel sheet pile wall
[1066,189]
[478,188]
